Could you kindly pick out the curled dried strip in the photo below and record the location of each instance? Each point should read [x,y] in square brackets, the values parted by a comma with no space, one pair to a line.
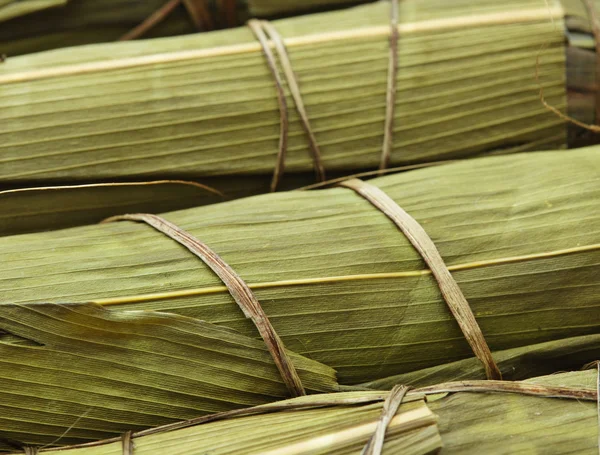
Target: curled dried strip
[197,9]
[238,289]
[448,286]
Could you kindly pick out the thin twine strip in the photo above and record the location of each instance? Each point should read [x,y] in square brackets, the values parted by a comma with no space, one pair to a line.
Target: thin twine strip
[449,288]
[388,138]
[238,289]
[292,82]
[127,443]
[390,408]
[258,31]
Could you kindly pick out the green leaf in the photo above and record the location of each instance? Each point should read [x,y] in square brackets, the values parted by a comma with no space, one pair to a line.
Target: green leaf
[515,364]
[98,373]
[42,209]
[339,282]
[10,9]
[201,106]
[461,423]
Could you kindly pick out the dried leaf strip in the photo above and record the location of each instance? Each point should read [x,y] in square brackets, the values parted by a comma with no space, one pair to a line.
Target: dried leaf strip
[258,31]
[268,30]
[127,443]
[449,288]
[151,21]
[238,289]
[390,408]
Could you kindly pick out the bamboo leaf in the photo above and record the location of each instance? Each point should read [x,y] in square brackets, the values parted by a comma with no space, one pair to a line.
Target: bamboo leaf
[338,281]
[98,374]
[37,25]
[461,423]
[515,364]
[10,9]
[513,423]
[204,106]
[41,209]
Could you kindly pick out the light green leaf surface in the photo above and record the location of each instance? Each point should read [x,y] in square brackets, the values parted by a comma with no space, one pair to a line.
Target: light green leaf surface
[508,424]
[99,373]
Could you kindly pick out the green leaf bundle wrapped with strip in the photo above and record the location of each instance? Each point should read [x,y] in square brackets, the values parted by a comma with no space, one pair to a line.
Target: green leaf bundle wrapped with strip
[551,415]
[204,107]
[344,289]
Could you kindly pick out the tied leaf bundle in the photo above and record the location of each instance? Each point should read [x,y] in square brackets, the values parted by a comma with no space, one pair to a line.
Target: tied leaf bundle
[129,370]
[343,288]
[493,420]
[204,106]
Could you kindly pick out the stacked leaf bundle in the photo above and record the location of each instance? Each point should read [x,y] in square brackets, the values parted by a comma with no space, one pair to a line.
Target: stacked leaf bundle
[344,289]
[551,415]
[37,25]
[461,423]
[204,107]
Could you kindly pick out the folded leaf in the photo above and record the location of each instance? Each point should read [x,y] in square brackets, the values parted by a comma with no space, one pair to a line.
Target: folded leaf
[98,373]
